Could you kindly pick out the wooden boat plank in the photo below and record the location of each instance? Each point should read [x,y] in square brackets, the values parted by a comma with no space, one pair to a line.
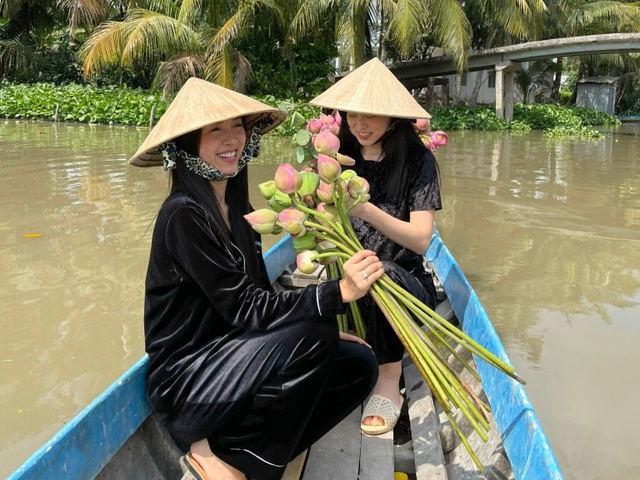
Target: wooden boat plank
[425,425]
[376,458]
[525,442]
[295,468]
[336,456]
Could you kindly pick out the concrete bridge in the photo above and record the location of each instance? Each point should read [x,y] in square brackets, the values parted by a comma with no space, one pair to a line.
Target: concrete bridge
[506,61]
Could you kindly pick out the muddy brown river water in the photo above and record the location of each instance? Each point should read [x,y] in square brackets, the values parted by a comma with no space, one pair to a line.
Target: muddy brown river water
[546,230]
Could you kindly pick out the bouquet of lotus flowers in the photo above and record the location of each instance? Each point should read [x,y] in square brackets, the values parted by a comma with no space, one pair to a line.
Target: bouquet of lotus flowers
[313,206]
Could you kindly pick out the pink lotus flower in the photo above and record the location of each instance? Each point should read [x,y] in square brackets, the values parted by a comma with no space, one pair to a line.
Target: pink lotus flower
[345,160]
[314,125]
[326,143]
[338,118]
[328,211]
[327,119]
[262,221]
[439,138]
[324,192]
[287,179]
[292,221]
[423,124]
[328,168]
[304,262]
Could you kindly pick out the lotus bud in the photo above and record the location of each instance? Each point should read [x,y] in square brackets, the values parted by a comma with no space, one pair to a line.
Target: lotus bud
[325,192]
[327,119]
[262,221]
[328,168]
[326,143]
[338,118]
[345,160]
[324,247]
[314,125]
[423,124]
[427,140]
[305,242]
[287,178]
[279,201]
[357,186]
[267,189]
[333,128]
[439,138]
[348,174]
[328,211]
[304,262]
[292,220]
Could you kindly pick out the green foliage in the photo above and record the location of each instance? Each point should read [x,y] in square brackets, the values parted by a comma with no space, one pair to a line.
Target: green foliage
[79,103]
[290,126]
[466,118]
[556,120]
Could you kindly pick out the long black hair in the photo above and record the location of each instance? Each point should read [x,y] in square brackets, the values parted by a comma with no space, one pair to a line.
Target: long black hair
[237,199]
[402,150]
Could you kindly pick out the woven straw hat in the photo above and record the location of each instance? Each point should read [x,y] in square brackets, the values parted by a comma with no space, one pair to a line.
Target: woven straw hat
[373,89]
[197,104]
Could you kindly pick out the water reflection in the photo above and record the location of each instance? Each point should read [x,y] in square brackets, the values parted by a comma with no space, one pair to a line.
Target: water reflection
[546,230]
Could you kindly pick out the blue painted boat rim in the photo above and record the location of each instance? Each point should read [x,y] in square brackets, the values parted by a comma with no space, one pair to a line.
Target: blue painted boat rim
[523,437]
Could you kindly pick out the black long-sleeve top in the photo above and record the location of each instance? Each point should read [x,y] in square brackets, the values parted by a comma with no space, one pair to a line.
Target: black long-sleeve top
[198,297]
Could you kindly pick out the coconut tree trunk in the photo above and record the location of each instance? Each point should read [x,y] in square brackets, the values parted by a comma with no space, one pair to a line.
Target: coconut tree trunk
[557,79]
[473,98]
[24,20]
[582,71]
[457,85]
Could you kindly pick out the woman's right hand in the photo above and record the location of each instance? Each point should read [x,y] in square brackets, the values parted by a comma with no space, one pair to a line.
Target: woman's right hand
[360,271]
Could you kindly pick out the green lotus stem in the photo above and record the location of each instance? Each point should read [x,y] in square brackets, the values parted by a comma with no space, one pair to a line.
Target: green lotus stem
[356,315]
[448,377]
[424,369]
[465,442]
[434,320]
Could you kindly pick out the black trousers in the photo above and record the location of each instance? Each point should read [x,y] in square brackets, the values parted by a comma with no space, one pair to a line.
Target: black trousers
[380,335]
[268,396]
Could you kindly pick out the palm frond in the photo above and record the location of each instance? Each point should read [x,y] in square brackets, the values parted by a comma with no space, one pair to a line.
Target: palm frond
[15,57]
[220,68]
[406,24]
[173,73]
[451,29]
[104,47]
[309,16]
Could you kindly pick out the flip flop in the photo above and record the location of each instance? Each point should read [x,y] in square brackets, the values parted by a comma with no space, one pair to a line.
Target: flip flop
[384,408]
[191,466]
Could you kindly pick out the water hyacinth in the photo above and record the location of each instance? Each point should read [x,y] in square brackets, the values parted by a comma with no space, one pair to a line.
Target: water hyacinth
[313,207]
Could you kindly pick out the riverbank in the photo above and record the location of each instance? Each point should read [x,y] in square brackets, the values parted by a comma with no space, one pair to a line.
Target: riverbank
[123,106]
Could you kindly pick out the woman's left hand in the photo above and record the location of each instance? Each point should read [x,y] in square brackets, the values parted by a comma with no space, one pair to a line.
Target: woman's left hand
[347,337]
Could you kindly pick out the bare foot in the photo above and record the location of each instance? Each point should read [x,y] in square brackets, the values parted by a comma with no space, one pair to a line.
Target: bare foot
[213,467]
[388,386]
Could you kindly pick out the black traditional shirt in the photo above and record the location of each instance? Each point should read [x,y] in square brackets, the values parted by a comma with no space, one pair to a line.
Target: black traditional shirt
[198,297]
[422,193]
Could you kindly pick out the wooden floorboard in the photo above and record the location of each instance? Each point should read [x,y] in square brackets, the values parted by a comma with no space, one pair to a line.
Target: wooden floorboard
[376,459]
[336,456]
[425,426]
[295,467]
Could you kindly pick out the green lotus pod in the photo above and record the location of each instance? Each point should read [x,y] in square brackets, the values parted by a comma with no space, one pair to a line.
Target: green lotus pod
[305,242]
[267,189]
[302,137]
[348,174]
[297,120]
[310,182]
[279,201]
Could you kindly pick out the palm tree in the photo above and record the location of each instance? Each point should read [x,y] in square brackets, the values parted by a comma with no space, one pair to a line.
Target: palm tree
[399,22]
[193,37]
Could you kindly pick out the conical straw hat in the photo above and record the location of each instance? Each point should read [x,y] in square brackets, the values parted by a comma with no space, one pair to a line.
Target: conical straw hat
[372,89]
[200,103]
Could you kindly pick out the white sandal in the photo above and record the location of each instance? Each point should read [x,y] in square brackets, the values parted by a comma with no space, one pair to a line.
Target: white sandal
[383,407]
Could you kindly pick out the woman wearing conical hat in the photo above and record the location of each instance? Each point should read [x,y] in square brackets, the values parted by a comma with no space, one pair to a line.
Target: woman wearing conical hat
[244,378]
[378,131]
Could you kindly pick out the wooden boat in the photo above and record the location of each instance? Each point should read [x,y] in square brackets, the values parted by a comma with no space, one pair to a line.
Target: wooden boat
[116,436]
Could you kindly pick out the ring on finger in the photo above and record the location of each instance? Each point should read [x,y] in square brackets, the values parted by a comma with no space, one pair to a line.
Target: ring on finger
[365,275]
